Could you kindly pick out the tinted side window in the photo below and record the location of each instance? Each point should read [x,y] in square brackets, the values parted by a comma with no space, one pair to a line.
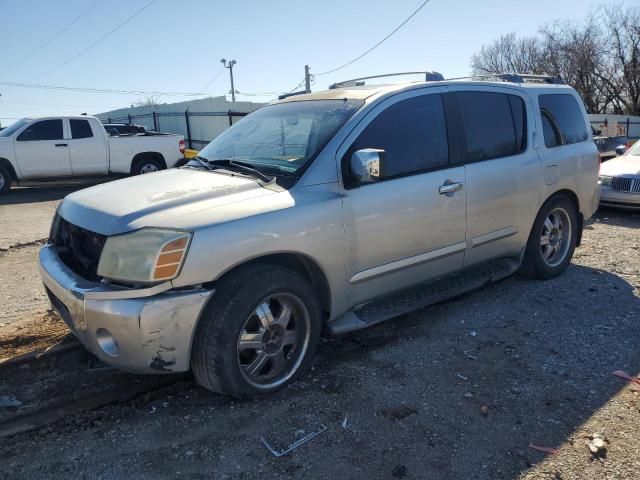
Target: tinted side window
[566,113]
[412,132]
[519,114]
[80,129]
[489,125]
[43,130]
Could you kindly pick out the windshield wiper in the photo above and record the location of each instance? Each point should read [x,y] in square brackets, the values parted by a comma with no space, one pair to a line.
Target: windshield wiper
[202,161]
[241,167]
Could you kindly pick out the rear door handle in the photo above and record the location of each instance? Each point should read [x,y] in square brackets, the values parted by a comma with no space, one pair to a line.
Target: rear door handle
[450,188]
[62,145]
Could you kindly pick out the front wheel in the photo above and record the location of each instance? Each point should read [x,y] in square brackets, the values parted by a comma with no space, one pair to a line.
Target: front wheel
[552,240]
[5,180]
[258,333]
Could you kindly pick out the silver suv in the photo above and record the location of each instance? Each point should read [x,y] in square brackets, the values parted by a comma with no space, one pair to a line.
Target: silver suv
[334,210]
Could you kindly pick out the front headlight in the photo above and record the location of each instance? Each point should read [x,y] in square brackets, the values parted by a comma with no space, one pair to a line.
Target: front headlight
[144,256]
[604,180]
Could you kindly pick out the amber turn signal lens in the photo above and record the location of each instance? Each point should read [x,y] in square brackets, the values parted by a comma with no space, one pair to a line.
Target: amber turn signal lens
[170,259]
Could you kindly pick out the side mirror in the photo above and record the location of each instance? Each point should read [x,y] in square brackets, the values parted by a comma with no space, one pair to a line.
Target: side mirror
[620,149]
[367,165]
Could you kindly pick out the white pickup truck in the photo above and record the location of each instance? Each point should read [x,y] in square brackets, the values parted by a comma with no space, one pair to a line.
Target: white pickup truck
[58,147]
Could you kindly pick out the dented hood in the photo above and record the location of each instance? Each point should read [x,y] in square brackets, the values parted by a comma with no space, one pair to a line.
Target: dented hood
[175,198]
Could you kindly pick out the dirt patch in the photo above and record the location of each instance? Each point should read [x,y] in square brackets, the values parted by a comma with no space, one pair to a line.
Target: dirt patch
[38,334]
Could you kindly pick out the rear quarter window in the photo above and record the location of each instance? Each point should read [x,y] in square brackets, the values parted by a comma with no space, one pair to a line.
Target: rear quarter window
[564,111]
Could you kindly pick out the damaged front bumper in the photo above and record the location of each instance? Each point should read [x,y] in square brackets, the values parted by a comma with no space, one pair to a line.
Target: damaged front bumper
[145,330]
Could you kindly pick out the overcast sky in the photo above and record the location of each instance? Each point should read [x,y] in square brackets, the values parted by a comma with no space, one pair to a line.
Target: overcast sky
[176,46]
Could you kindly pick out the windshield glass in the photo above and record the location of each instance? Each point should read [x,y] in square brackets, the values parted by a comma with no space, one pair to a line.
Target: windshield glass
[283,137]
[635,149]
[7,132]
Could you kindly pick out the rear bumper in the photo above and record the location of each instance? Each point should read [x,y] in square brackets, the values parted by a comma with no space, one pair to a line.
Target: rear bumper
[613,198]
[144,331]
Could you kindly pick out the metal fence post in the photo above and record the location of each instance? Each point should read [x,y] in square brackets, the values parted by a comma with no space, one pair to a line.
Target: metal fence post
[108,119]
[155,121]
[230,117]
[627,132]
[186,119]
[129,117]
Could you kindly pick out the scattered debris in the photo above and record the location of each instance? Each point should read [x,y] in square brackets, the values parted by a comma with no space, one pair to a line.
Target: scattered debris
[189,453]
[459,375]
[473,333]
[549,450]
[468,355]
[399,471]
[626,376]
[292,446]
[597,445]
[400,412]
[468,395]
[484,409]
[344,422]
[153,409]
[9,402]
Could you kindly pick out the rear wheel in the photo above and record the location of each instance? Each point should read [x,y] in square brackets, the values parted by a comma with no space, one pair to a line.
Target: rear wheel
[147,165]
[259,332]
[5,180]
[552,240]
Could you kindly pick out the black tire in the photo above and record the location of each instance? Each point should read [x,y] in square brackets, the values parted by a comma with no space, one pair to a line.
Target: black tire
[534,264]
[5,180]
[216,354]
[146,165]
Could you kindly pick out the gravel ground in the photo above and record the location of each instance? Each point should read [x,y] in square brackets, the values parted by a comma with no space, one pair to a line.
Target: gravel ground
[456,391]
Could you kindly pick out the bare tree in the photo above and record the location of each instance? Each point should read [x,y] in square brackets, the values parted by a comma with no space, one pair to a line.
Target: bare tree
[148,101]
[509,54]
[599,57]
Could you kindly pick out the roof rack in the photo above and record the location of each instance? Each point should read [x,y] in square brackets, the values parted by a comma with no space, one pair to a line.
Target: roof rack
[356,82]
[516,78]
[291,94]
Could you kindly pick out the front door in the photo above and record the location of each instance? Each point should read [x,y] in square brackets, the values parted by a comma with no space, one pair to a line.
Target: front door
[42,151]
[401,230]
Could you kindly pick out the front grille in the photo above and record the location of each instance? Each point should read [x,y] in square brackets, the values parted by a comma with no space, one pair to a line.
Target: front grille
[626,184]
[79,249]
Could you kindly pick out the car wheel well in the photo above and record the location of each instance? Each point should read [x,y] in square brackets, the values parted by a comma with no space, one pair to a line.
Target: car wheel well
[7,164]
[301,264]
[147,156]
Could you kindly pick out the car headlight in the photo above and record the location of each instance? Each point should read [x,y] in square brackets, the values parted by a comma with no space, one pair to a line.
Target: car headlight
[604,180]
[147,255]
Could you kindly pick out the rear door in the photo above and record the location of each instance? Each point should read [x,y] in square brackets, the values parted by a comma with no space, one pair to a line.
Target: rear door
[42,151]
[502,169]
[88,148]
[401,230]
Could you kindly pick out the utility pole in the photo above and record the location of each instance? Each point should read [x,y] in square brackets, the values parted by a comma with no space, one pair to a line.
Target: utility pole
[307,79]
[230,65]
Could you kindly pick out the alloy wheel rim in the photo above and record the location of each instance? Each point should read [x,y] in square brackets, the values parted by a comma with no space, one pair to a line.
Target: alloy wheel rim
[273,341]
[555,237]
[148,168]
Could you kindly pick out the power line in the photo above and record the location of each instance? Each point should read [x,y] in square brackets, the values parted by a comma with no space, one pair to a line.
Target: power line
[57,35]
[377,44]
[91,45]
[215,77]
[96,90]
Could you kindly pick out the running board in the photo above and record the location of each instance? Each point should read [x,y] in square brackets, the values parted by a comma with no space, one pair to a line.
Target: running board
[423,295]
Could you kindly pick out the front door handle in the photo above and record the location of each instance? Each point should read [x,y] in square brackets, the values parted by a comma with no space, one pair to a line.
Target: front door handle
[452,187]
[61,145]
